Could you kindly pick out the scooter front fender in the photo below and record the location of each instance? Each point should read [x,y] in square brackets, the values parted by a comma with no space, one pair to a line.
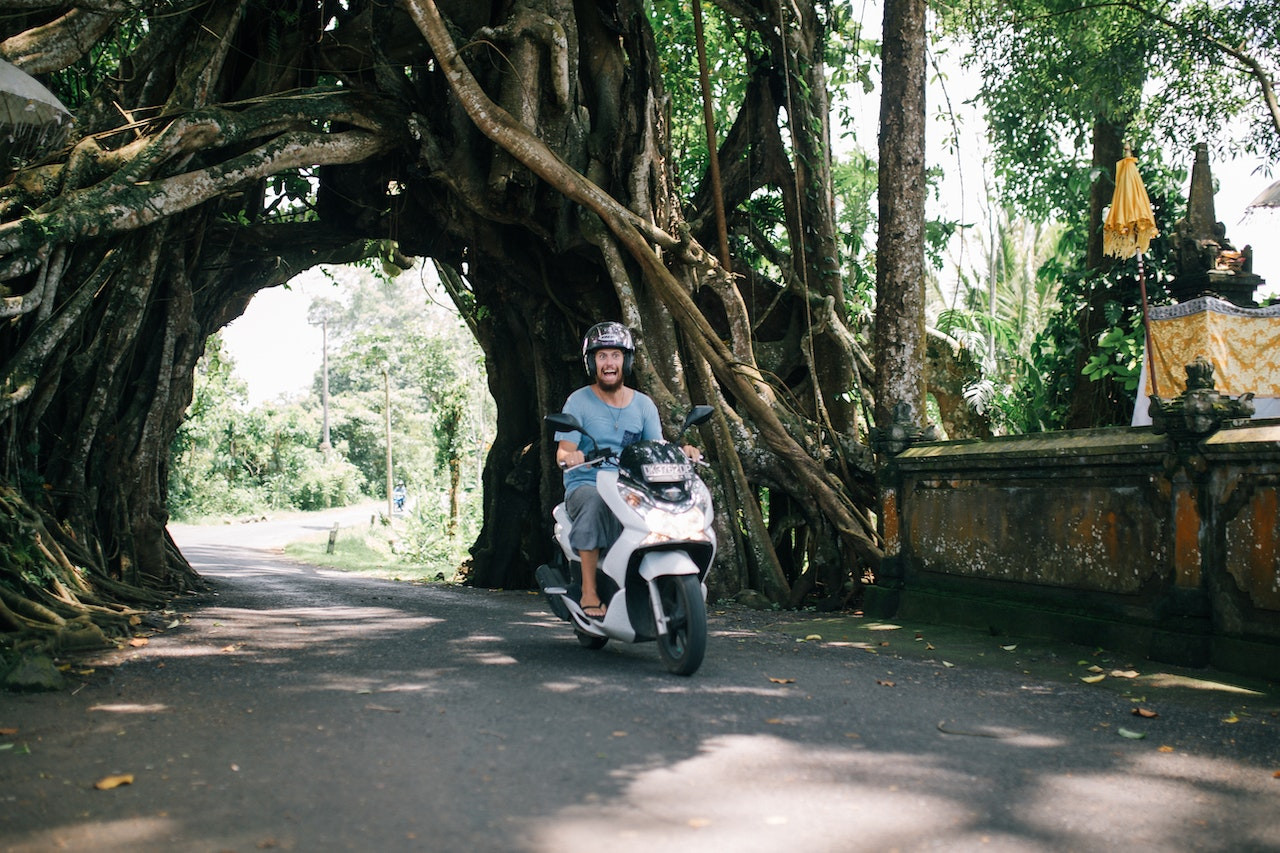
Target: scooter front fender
[655,564]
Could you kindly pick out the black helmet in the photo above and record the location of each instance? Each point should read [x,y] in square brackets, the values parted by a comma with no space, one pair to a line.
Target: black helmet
[608,335]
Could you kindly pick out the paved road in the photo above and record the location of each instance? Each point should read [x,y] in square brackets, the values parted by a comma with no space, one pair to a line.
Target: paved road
[301,709]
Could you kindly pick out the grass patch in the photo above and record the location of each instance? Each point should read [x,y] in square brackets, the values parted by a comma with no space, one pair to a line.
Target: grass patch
[366,550]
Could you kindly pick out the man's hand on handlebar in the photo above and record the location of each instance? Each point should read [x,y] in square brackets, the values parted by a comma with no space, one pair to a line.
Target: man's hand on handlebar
[570,458]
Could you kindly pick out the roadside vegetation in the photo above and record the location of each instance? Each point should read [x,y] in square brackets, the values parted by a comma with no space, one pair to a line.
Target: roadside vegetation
[231,459]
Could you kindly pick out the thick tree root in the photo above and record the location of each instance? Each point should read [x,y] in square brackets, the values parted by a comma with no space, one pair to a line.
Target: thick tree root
[55,597]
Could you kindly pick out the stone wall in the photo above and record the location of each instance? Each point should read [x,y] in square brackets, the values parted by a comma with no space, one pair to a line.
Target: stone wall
[1120,538]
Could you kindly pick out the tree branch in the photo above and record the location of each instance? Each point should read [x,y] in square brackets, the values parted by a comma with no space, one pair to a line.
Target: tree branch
[59,43]
[749,387]
[126,206]
[1252,66]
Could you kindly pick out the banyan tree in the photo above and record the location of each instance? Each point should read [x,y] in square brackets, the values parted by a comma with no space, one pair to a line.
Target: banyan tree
[223,146]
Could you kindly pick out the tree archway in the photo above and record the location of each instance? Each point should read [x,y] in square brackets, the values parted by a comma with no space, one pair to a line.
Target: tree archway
[222,147]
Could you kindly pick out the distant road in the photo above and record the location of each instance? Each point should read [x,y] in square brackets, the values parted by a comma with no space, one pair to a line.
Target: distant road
[278,529]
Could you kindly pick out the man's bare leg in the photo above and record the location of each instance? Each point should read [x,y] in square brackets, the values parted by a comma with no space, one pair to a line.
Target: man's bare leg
[592,605]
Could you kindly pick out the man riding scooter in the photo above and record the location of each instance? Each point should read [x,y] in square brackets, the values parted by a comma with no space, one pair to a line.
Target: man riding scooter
[616,416]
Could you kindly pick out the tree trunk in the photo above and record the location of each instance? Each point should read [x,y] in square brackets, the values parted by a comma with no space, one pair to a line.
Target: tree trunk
[899,333]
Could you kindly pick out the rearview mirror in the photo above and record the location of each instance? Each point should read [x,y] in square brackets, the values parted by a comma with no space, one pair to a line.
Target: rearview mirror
[563,422]
[697,415]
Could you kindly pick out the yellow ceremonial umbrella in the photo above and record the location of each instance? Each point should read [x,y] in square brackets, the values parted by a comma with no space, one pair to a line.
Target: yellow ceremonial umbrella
[1127,231]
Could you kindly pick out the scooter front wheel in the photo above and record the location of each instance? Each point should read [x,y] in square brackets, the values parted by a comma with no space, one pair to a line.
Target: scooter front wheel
[685,643]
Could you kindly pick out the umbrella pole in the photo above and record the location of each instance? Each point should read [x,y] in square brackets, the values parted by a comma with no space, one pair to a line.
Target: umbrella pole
[1146,328]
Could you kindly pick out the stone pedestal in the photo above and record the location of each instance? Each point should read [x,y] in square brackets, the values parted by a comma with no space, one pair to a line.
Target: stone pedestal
[1206,262]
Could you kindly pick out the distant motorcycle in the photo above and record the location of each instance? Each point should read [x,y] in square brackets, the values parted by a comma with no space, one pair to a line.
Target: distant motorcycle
[652,579]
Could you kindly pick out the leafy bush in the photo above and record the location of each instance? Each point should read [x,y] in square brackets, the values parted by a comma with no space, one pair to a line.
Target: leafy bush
[323,486]
[193,498]
[426,540]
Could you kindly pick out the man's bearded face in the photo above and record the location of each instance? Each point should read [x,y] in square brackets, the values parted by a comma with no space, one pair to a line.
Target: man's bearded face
[609,369]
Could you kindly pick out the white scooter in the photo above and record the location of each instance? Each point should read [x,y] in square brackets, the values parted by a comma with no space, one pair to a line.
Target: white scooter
[651,579]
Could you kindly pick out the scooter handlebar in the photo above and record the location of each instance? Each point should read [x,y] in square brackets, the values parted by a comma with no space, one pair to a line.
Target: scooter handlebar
[594,458]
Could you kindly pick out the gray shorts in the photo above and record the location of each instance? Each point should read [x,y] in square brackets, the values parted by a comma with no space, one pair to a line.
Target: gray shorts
[594,524]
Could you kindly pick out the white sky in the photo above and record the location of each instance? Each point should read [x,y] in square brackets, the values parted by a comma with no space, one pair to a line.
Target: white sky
[276,351]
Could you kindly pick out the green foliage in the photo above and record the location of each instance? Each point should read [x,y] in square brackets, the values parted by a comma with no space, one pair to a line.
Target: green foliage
[1160,75]
[1000,306]
[854,178]
[434,376]
[729,54]
[426,541]
[325,485]
[1119,354]
[231,459]
[75,84]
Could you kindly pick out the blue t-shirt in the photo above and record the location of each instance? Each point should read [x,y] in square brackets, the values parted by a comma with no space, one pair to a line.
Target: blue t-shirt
[612,427]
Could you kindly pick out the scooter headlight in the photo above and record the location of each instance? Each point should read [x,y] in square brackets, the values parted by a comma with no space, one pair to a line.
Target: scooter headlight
[666,522]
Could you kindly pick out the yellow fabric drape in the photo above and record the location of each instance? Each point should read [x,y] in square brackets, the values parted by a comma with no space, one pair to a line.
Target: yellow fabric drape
[1242,343]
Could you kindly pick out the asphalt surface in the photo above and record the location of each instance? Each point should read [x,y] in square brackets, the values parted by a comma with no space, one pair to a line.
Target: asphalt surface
[301,709]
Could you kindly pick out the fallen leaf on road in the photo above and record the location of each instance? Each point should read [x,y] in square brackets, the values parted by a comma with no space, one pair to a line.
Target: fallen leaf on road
[619,734]
[1231,718]
[1166,748]
[930,647]
[774,721]
[782,680]
[1276,775]
[1010,648]
[1129,733]
[382,708]
[1125,673]
[1144,712]
[812,637]
[7,732]
[139,642]
[884,626]
[110,782]
[1095,668]
[1093,679]
[884,683]
[948,664]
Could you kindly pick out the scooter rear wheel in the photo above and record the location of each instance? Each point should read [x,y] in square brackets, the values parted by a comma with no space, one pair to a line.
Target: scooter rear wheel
[589,642]
[685,643]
